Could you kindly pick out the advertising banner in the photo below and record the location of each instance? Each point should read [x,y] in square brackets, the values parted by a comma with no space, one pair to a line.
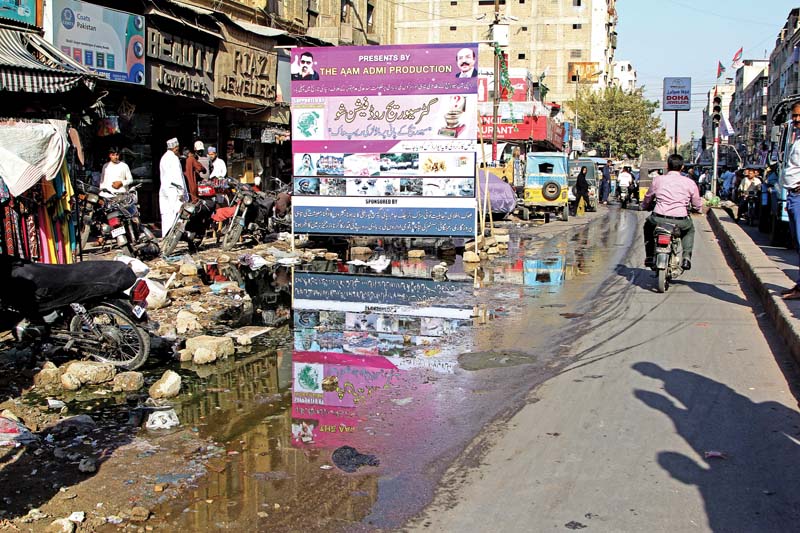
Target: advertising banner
[107,41]
[677,94]
[378,132]
[19,10]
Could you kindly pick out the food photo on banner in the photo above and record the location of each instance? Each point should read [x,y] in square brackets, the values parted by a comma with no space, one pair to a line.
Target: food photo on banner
[385,140]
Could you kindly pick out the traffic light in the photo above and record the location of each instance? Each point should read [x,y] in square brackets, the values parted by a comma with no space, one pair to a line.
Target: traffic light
[716,111]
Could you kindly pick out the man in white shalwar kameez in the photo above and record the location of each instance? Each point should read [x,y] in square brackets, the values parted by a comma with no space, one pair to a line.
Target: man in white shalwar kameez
[171,193]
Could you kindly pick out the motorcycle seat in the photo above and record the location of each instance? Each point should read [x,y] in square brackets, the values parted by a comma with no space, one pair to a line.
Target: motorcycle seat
[54,286]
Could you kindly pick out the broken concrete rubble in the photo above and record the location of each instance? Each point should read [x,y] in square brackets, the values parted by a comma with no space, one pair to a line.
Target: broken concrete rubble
[90,372]
[186,322]
[207,349]
[168,386]
[128,381]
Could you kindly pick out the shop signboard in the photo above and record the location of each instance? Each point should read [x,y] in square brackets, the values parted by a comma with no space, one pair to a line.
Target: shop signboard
[179,66]
[19,10]
[105,40]
[677,94]
[245,74]
[384,140]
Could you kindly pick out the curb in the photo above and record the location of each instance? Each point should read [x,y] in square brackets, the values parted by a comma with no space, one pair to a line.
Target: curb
[763,276]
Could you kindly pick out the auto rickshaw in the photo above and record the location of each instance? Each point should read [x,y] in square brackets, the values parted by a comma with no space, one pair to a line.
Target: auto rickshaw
[647,171]
[546,186]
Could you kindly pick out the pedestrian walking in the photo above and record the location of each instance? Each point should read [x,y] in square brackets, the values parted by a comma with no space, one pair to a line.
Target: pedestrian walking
[605,183]
[790,180]
[518,170]
[582,189]
[173,188]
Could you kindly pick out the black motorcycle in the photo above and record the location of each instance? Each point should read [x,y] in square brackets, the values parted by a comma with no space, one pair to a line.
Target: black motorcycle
[194,218]
[668,254]
[251,216]
[95,308]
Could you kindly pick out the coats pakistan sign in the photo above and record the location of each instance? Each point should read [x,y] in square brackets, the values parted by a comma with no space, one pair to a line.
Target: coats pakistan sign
[677,94]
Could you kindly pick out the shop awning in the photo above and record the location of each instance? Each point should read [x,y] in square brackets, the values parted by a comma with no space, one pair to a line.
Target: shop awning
[30,64]
[185,21]
[264,31]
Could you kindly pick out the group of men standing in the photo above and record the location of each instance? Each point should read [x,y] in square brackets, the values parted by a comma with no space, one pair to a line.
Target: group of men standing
[179,182]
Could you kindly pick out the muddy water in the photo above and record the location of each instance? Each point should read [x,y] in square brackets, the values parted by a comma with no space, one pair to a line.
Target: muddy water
[348,419]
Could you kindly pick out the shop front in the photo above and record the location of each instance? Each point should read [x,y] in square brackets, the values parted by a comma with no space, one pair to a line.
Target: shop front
[256,125]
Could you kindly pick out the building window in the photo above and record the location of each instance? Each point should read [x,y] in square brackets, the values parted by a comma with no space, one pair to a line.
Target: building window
[345,11]
[520,56]
[576,3]
[454,3]
[524,28]
[370,18]
[577,26]
[490,2]
[453,28]
[576,54]
[312,20]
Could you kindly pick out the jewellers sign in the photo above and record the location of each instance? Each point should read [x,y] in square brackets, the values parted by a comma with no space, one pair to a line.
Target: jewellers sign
[245,74]
[677,94]
[179,66]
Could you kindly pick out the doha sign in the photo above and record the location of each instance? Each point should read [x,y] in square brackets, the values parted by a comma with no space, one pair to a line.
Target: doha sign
[677,94]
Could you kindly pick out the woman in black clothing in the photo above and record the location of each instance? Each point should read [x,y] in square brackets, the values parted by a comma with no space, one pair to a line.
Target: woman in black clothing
[582,189]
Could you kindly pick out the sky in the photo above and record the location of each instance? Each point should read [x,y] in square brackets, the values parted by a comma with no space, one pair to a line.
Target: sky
[687,38]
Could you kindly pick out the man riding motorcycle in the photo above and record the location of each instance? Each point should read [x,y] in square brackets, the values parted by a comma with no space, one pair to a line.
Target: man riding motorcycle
[671,194]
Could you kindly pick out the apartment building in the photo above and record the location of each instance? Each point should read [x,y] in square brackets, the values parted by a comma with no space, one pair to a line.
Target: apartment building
[784,72]
[748,105]
[623,75]
[571,41]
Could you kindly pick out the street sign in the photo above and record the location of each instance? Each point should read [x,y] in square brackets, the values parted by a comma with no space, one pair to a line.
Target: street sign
[677,94]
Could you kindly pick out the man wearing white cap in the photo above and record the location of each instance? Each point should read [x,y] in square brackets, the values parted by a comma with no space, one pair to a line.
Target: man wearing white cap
[218,167]
[173,188]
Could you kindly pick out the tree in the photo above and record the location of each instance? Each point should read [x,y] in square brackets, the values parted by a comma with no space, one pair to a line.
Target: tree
[685,151]
[619,123]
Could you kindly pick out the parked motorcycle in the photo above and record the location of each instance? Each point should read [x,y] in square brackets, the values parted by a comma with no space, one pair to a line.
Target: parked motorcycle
[89,206]
[624,197]
[668,254]
[251,215]
[125,226]
[95,308]
[194,219]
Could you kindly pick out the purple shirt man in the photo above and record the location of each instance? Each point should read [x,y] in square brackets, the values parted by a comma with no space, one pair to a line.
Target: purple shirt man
[672,190]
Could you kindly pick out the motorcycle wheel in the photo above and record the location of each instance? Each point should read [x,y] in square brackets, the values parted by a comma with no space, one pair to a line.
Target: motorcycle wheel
[565,213]
[232,235]
[662,280]
[122,342]
[171,240]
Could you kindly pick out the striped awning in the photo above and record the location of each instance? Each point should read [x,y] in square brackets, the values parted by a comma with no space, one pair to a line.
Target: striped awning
[30,64]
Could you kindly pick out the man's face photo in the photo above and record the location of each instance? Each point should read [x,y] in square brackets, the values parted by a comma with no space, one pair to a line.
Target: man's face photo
[306,65]
[465,60]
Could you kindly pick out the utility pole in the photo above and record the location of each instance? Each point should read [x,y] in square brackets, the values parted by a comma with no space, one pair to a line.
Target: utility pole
[496,98]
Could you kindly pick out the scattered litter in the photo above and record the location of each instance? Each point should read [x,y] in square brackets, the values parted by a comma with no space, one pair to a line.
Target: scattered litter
[289,261]
[55,404]
[403,401]
[326,467]
[262,514]
[77,517]
[138,267]
[349,459]
[162,419]
[253,261]
[87,466]
[14,433]
[575,525]
[712,454]
[571,315]
[34,515]
[157,297]
[113,519]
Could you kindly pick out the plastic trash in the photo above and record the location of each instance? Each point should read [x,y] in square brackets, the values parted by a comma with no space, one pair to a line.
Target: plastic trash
[158,294]
[253,261]
[138,267]
[349,459]
[289,261]
[55,404]
[14,433]
[162,419]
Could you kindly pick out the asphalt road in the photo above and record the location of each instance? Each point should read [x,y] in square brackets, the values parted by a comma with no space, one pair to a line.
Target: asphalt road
[678,415]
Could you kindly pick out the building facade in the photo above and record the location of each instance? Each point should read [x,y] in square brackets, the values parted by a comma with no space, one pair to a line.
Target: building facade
[624,76]
[571,42]
[748,111]
[784,72]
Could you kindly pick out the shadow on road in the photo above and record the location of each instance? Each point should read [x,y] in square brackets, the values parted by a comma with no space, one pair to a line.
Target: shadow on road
[644,279]
[750,484]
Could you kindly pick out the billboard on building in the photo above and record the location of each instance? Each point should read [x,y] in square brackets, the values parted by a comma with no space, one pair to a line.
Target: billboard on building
[106,41]
[677,94]
[19,10]
[583,71]
[384,140]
